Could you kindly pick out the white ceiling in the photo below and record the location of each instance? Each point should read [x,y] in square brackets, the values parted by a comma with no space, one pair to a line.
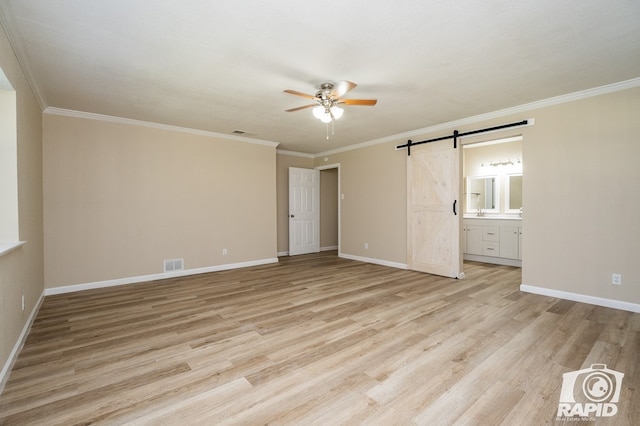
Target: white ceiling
[222,65]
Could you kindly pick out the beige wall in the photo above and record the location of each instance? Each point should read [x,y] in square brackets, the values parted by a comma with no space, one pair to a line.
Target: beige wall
[21,270]
[373,211]
[119,199]
[283,162]
[328,208]
[581,195]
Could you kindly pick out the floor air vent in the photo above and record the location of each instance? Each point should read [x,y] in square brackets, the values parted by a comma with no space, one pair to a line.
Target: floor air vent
[173,265]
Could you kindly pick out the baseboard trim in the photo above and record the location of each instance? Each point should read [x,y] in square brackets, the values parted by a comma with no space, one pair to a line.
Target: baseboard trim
[143,278]
[329,248]
[13,356]
[493,260]
[576,297]
[374,261]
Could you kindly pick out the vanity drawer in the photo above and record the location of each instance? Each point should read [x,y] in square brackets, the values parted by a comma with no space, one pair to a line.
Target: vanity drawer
[491,233]
[491,248]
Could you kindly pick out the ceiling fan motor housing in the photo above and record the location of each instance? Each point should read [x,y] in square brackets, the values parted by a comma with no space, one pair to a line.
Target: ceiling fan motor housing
[325,97]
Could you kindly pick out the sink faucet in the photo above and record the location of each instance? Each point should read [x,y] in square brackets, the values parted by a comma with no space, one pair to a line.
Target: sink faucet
[480,213]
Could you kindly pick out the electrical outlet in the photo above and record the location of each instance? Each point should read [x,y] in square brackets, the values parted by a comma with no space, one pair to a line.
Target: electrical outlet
[225,252]
[616,279]
[366,246]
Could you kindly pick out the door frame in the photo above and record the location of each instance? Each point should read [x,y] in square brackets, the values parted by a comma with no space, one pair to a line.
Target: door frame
[468,142]
[340,196]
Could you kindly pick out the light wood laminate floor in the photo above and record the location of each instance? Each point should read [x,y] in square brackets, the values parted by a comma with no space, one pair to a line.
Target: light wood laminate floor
[316,339]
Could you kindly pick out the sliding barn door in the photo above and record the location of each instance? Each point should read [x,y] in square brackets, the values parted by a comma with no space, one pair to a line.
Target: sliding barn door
[304,211]
[434,209]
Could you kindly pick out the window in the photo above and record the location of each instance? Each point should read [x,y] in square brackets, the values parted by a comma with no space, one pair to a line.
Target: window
[8,167]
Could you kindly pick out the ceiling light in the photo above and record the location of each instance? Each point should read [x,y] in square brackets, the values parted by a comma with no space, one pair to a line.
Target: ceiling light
[326,114]
[318,112]
[322,114]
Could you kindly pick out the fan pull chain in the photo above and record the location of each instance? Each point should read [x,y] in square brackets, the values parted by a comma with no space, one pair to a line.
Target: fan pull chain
[332,129]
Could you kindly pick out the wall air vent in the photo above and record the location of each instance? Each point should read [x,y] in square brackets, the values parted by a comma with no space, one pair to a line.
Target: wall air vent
[173,265]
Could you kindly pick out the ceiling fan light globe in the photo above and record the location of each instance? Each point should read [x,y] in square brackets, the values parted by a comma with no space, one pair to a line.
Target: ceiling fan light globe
[318,112]
[337,112]
[326,118]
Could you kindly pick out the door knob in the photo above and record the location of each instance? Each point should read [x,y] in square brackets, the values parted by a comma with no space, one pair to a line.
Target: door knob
[291,216]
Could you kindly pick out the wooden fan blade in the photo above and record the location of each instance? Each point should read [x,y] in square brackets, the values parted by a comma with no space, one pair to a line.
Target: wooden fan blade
[343,87]
[302,107]
[295,92]
[366,102]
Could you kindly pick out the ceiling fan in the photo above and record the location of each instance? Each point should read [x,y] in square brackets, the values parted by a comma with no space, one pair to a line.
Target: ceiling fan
[328,98]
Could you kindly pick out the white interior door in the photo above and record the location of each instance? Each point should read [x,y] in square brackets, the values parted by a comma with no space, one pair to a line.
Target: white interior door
[304,211]
[433,209]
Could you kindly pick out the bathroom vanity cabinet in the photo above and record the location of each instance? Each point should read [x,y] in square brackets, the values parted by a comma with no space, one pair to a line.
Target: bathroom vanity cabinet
[493,240]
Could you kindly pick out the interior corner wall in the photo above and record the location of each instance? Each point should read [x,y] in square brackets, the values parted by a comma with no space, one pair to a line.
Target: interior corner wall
[119,199]
[283,162]
[21,270]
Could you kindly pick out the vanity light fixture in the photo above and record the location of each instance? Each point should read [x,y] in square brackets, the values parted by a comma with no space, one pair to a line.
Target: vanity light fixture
[503,163]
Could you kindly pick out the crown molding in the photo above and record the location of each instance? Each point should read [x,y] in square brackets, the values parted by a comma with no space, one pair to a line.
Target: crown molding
[294,153]
[132,122]
[570,97]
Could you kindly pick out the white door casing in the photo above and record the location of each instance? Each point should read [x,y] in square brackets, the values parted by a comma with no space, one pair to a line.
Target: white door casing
[304,211]
[433,209]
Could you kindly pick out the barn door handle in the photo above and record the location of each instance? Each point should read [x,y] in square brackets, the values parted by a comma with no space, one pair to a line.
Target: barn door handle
[454,207]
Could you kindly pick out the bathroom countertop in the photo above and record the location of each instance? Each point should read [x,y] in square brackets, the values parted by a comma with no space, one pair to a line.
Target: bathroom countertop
[493,217]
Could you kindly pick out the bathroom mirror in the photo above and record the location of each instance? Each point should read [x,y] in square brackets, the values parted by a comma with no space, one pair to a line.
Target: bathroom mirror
[482,193]
[514,192]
